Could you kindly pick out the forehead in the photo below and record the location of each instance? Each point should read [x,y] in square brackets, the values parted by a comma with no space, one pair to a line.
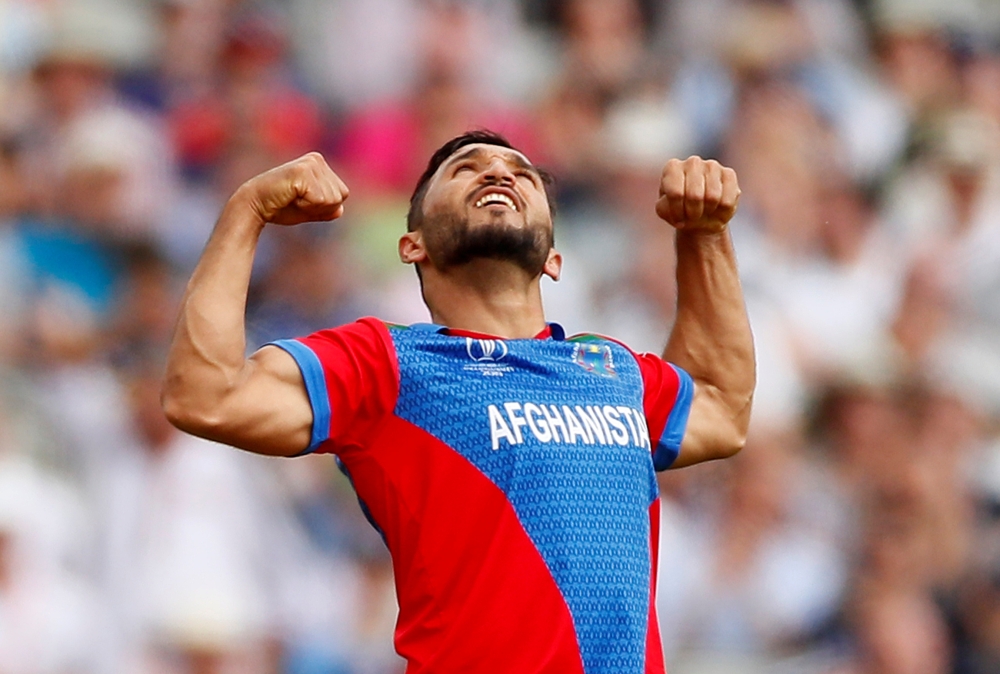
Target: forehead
[487,152]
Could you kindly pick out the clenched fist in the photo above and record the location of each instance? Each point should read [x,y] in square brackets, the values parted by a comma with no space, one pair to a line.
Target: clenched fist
[696,194]
[303,190]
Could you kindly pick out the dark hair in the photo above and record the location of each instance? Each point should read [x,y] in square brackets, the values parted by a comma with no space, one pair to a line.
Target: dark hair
[484,136]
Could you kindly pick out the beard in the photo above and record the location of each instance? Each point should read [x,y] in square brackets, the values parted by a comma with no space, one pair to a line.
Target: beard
[458,244]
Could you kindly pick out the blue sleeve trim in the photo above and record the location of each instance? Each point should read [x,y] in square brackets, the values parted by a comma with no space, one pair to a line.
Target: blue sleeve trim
[668,448]
[315,381]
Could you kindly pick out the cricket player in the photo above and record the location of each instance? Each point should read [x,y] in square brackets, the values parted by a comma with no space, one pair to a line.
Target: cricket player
[509,467]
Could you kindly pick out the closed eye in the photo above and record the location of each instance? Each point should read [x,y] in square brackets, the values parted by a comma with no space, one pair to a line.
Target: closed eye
[529,175]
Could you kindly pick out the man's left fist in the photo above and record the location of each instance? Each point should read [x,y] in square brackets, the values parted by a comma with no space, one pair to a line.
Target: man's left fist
[697,195]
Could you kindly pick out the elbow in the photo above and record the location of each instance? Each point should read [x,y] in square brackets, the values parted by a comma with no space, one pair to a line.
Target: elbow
[188,413]
[177,413]
[727,441]
[740,427]
[724,446]
[732,424]
[174,401]
[734,445]
[733,430]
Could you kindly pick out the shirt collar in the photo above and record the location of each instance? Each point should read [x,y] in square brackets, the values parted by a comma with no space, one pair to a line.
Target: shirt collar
[550,331]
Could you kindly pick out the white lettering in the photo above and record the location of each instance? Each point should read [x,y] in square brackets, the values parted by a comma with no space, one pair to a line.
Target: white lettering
[626,412]
[643,430]
[498,428]
[539,427]
[618,431]
[551,413]
[516,422]
[591,422]
[576,429]
[565,424]
[604,422]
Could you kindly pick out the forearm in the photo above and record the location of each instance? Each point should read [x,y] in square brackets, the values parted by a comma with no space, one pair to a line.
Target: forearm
[711,338]
[207,357]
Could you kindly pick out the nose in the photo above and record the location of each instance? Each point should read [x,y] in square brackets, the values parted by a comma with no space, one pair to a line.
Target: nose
[499,172]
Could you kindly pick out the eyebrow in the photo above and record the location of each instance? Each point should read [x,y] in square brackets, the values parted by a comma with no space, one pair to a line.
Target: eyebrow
[511,155]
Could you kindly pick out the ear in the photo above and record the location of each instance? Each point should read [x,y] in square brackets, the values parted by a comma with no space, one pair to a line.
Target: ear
[553,265]
[411,248]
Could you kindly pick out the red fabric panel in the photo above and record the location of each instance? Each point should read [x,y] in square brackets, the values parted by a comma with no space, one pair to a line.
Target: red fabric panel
[654,647]
[474,593]
[660,384]
[362,378]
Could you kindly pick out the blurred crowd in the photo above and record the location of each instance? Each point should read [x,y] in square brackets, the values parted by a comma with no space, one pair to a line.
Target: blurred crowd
[857,533]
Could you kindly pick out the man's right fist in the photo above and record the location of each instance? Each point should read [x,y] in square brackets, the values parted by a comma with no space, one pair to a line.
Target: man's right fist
[696,194]
[303,190]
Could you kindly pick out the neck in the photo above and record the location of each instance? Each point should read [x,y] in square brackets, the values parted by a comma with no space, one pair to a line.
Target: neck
[486,296]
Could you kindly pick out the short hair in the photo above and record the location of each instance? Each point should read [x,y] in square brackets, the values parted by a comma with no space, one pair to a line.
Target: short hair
[483,136]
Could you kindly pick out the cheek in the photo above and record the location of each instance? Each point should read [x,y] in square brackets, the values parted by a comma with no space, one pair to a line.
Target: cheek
[539,211]
[444,198]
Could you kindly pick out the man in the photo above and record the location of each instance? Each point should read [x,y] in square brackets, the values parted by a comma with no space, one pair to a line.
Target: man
[509,469]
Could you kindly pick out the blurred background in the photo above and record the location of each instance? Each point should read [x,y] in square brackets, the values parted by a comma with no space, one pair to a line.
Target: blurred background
[858,533]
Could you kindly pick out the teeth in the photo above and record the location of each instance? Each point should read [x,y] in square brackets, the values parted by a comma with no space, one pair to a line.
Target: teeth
[496,198]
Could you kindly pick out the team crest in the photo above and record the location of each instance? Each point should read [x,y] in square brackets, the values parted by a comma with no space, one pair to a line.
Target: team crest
[595,358]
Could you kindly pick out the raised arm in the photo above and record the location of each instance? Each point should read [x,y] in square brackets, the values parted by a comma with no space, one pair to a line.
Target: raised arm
[211,388]
[711,338]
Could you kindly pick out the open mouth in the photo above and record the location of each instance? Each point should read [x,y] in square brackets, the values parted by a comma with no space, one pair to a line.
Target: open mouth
[496,199]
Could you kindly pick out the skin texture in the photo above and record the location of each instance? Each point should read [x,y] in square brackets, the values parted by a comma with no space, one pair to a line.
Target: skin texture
[210,388]
[495,297]
[260,404]
[711,338]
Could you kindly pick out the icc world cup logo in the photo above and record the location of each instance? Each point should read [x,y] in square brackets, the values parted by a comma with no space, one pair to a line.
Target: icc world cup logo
[485,350]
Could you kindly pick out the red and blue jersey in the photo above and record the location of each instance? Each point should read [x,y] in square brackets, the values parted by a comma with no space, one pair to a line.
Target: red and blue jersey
[513,481]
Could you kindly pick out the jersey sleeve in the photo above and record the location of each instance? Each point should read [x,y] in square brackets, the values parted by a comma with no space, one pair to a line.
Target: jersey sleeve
[351,377]
[667,395]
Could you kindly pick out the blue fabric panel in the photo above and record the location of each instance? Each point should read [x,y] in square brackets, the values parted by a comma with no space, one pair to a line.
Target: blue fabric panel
[315,381]
[585,505]
[669,446]
[365,510]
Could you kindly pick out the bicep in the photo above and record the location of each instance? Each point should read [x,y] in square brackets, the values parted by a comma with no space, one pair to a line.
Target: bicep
[696,422]
[268,411]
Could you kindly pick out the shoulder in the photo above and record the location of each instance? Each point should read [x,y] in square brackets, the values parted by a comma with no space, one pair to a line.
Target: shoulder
[367,327]
[363,334]
[653,367]
[362,344]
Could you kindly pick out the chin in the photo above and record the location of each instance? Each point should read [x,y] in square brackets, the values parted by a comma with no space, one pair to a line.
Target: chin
[497,217]
[500,240]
